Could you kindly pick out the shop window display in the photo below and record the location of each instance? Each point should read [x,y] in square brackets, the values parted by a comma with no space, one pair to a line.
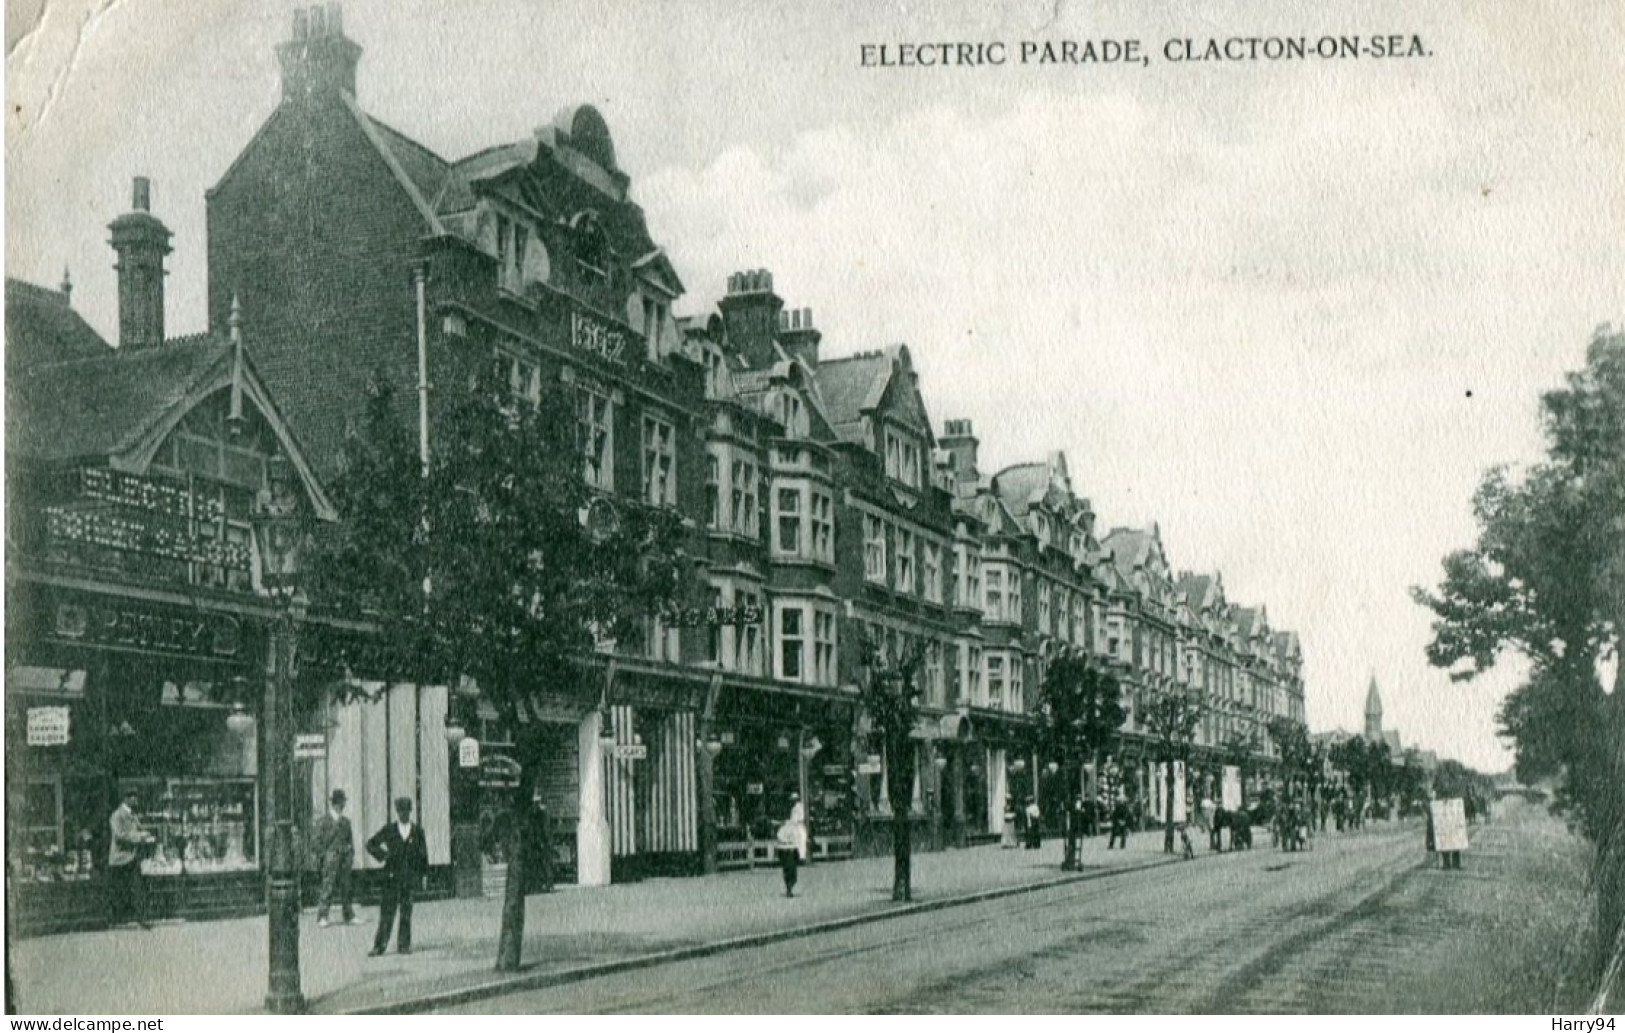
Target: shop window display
[200,826]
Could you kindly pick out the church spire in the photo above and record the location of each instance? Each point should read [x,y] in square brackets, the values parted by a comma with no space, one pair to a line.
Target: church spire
[1373,711]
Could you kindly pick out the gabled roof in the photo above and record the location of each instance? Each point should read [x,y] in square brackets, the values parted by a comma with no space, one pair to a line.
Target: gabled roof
[1130,547]
[853,385]
[42,327]
[440,189]
[1246,617]
[103,406]
[1197,589]
[119,407]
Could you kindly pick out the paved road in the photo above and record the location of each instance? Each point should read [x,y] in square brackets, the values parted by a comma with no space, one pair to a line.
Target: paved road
[1360,924]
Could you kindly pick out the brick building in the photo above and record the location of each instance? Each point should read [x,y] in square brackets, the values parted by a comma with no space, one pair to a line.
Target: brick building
[358,253]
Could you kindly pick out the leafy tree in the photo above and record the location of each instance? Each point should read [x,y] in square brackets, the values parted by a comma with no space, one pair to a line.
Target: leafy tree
[1292,743]
[1082,709]
[484,563]
[1546,580]
[1172,718]
[1351,758]
[890,695]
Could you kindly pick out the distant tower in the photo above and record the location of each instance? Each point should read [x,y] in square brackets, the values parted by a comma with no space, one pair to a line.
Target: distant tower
[141,242]
[1373,712]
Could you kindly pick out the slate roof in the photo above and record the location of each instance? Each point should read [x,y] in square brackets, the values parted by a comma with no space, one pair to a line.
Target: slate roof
[1128,546]
[853,384]
[1022,485]
[103,405]
[447,187]
[41,326]
[1246,617]
[1196,588]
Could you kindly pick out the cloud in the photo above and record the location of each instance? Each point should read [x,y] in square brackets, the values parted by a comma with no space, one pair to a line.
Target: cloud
[1263,338]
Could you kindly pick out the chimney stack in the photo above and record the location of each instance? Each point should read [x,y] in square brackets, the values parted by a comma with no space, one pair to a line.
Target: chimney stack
[141,242]
[319,61]
[959,441]
[750,316]
[799,337]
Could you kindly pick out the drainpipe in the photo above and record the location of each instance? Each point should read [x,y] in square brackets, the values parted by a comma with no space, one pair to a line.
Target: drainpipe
[419,284]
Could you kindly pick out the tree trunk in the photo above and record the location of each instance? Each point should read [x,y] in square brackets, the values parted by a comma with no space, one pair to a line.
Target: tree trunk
[900,788]
[1168,808]
[1611,835]
[511,938]
[1071,861]
[902,858]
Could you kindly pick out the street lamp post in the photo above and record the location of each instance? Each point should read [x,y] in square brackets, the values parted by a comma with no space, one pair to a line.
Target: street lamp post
[277,532]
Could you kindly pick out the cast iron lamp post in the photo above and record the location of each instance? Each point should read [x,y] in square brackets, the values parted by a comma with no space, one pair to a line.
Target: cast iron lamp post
[279,535]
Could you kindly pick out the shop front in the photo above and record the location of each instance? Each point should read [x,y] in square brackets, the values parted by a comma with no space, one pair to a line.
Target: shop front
[773,746]
[106,695]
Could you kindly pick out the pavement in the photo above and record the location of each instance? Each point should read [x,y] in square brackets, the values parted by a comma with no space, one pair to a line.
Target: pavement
[1364,923]
[571,934]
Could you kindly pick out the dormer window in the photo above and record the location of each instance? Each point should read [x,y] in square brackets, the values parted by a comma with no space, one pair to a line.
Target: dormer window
[592,246]
[791,414]
[654,317]
[521,258]
[902,458]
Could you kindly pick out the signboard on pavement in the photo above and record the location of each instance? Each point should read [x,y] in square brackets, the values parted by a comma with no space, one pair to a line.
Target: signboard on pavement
[1230,788]
[1179,791]
[1449,825]
[468,752]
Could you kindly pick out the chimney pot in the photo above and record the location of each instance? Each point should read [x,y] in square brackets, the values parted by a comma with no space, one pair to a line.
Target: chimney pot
[318,27]
[142,199]
[335,19]
[301,24]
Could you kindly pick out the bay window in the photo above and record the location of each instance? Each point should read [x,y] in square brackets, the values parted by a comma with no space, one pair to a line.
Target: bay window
[995,680]
[806,645]
[823,647]
[792,642]
[713,493]
[993,599]
[823,526]
[787,521]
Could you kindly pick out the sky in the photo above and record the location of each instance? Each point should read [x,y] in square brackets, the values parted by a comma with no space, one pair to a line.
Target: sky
[1289,311]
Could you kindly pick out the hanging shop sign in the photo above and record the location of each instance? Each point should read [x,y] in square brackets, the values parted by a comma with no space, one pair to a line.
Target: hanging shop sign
[468,752]
[870,765]
[47,726]
[753,789]
[497,771]
[309,747]
[629,751]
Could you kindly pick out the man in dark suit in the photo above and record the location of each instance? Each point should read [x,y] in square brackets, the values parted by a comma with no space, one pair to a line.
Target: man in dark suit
[405,856]
[334,844]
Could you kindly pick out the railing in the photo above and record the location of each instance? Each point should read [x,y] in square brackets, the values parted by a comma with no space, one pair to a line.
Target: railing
[752,853]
